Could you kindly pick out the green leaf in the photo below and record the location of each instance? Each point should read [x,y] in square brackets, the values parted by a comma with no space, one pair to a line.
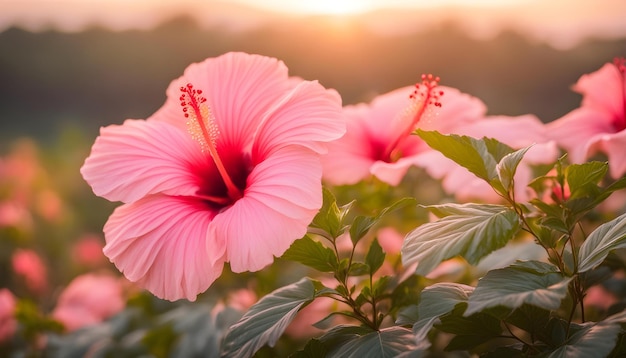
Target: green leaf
[387,342]
[508,165]
[593,339]
[473,154]
[583,178]
[313,254]
[329,220]
[359,269]
[604,239]
[266,320]
[362,224]
[313,349]
[435,301]
[469,230]
[471,331]
[514,286]
[375,257]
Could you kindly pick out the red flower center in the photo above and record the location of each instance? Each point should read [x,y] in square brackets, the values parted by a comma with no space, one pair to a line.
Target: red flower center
[223,183]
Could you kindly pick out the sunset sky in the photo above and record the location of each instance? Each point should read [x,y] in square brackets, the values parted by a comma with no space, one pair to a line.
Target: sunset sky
[561,23]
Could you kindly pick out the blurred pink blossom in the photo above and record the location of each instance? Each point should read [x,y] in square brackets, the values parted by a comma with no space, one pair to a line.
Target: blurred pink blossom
[87,251]
[516,132]
[226,171]
[599,124]
[378,141]
[28,265]
[8,323]
[390,240]
[14,215]
[89,299]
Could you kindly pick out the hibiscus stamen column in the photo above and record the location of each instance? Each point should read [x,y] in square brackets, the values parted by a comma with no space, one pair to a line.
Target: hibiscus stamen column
[204,130]
[423,97]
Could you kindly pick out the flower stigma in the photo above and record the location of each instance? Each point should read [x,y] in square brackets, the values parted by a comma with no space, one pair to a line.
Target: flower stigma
[424,96]
[203,128]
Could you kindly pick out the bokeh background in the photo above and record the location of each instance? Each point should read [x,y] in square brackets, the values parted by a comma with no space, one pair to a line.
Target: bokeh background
[68,67]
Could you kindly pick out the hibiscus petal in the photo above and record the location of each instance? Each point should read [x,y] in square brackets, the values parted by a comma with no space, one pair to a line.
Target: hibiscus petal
[162,243]
[603,90]
[575,130]
[309,114]
[138,158]
[283,195]
[614,146]
[239,88]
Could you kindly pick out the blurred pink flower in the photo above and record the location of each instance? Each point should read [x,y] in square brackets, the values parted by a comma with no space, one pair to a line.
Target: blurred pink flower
[14,215]
[87,251]
[232,176]
[599,124]
[516,132]
[89,299]
[390,240]
[28,265]
[378,139]
[8,323]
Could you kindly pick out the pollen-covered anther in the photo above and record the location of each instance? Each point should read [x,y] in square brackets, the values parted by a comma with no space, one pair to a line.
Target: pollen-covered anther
[200,120]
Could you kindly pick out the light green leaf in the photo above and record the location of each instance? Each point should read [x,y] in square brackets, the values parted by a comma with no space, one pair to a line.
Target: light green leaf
[508,165]
[435,301]
[604,239]
[329,221]
[387,342]
[592,340]
[266,320]
[514,286]
[469,230]
[313,254]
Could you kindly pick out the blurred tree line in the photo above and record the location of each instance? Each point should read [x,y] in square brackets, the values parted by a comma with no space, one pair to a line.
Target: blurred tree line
[50,81]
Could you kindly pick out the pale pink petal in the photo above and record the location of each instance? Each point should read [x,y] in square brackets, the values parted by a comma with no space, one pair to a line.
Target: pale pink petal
[139,158]
[308,115]
[239,89]
[574,131]
[614,146]
[392,173]
[604,90]
[163,243]
[349,158]
[457,109]
[283,195]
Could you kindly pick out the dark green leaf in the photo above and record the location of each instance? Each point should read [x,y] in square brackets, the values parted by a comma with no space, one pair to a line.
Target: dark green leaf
[266,320]
[514,286]
[313,254]
[387,342]
[469,230]
[471,331]
[604,239]
[593,339]
[313,349]
[375,257]
[342,334]
[435,301]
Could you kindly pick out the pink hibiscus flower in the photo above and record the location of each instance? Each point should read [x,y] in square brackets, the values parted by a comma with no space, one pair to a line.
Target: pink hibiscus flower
[231,176]
[89,299]
[378,139]
[516,132]
[599,124]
